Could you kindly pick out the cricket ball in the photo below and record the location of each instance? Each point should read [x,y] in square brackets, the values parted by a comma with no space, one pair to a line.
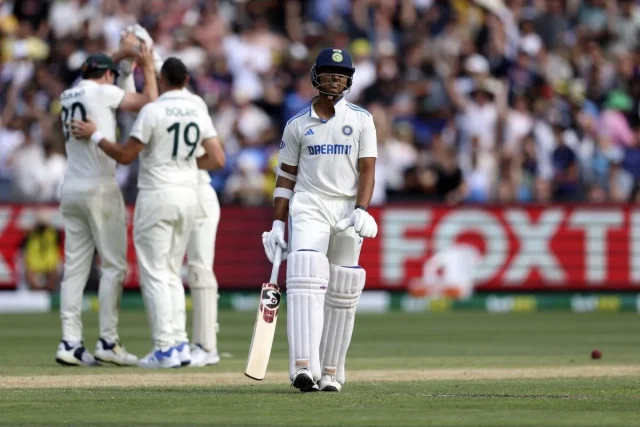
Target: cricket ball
[596,354]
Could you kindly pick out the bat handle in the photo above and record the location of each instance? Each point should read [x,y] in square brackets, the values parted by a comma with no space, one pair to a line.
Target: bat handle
[277,259]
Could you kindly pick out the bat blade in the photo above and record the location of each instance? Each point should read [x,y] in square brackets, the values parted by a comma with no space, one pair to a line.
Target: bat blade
[263,332]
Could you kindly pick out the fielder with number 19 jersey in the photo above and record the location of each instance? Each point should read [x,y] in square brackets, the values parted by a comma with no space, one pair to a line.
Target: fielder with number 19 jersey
[172,128]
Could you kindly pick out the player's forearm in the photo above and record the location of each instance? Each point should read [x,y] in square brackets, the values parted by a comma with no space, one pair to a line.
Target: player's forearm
[115,151]
[281,204]
[209,163]
[365,187]
[150,84]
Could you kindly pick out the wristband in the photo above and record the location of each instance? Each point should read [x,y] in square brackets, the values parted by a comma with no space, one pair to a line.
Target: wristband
[96,137]
[361,207]
[285,193]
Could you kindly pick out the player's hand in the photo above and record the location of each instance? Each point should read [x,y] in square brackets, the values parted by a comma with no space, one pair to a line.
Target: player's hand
[142,34]
[82,130]
[129,45]
[361,221]
[145,57]
[272,239]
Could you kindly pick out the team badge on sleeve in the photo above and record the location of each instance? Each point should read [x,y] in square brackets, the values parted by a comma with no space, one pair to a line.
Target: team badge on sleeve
[347,130]
[281,145]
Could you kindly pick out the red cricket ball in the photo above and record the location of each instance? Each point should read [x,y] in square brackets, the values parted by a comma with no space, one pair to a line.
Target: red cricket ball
[596,354]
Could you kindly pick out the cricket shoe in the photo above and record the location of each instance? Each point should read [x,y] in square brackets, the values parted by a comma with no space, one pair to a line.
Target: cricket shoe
[159,359]
[184,353]
[114,353]
[74,355]
[329,383]
[201,357]
[303,380]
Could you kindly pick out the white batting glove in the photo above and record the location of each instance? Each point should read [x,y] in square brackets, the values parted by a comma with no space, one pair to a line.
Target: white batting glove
[272,239]
[361,221]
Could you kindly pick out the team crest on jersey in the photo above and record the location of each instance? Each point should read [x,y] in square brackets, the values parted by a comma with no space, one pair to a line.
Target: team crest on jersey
[281,145]
[347,130]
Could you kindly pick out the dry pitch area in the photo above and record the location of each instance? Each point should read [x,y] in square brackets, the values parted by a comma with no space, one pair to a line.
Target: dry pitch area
[404,369]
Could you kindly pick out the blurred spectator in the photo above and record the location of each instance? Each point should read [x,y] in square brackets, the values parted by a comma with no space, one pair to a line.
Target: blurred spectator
[41,255]
[533,99]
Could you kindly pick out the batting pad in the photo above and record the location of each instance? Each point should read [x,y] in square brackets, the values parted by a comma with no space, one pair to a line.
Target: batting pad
[307,280]
[345,287]
[204,296]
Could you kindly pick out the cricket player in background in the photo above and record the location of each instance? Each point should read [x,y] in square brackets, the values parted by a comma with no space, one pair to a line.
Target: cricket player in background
[201,278]
[325,183]
[92,206]
[166,134]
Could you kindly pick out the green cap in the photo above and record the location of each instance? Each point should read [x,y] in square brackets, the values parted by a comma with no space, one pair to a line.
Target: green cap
[99,61]
[618,100]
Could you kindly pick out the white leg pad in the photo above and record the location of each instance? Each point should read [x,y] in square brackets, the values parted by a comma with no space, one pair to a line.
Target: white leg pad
[307,281]
[204,294]
[345,287]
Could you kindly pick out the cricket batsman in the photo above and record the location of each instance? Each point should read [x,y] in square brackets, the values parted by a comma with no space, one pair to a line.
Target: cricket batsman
[201,278]
[92,206]
[325,183]
[167,134]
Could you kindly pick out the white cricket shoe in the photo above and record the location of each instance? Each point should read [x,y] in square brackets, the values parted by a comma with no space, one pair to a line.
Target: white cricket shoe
[184,353]
[74,355]
[329,383]
[161,359]
[303,380]
[114,353]
[201,357]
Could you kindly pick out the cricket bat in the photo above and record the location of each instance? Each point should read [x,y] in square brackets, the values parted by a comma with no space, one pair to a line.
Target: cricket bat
[265,326]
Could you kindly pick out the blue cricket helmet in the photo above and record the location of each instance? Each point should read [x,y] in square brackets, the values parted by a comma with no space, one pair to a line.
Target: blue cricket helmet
[334,58]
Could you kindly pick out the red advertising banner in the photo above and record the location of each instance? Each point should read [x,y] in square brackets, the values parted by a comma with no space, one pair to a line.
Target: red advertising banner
[527,248]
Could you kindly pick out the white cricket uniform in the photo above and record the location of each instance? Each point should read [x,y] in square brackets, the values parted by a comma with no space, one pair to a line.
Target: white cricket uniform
[324,281]
[93,210]
[201,277]
[327,154]
[172,128]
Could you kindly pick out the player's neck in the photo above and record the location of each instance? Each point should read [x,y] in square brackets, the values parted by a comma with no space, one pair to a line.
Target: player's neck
[326,108]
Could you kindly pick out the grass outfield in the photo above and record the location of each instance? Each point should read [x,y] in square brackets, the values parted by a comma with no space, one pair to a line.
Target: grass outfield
[403,369]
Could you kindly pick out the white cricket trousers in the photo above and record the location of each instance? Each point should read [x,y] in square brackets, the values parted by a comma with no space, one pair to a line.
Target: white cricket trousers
[202,279]
[163,221]
[94,219]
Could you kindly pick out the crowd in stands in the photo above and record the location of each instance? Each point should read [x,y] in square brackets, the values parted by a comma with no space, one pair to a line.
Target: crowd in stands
[477,101]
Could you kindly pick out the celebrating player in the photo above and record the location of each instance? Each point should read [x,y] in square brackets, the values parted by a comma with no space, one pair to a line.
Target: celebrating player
[167,133]
[202,280]
[327,157]
[92,206]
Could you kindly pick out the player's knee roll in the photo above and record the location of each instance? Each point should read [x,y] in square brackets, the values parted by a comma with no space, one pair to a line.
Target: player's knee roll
[345,286]
[201,278]
[308,272]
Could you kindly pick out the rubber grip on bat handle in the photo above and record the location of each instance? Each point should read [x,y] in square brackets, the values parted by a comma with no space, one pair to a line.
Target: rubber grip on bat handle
[277,259]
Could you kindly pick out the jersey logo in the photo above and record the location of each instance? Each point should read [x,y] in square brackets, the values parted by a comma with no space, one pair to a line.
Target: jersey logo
[309,132]
[347,130]
[281,145]
[315,150]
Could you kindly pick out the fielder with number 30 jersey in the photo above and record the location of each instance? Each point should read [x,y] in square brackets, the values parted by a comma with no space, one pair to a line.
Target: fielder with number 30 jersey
[325,183]
[93,209]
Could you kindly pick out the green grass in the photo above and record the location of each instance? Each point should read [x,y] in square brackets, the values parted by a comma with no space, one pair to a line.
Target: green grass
[381,342]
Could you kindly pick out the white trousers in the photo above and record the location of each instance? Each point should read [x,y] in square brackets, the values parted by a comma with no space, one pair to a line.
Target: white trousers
[163,221]
[94,219]
[202,279]
[311,226]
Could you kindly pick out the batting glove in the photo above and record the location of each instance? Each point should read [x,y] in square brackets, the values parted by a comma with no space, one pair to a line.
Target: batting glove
[361,221]
[272,239]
